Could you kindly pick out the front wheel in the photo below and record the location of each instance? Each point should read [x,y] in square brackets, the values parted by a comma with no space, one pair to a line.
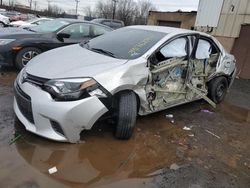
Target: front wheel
[2,25]
[25,55]
[126,117]
[217,89]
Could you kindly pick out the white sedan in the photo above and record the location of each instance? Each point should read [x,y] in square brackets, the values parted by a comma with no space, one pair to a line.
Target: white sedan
[129,71]
[29,23]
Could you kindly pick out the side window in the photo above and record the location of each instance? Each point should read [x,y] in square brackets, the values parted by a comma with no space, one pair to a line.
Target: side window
[98,30]
[108,23]
[204,49]
[116,25]
[77,31]
[176,48]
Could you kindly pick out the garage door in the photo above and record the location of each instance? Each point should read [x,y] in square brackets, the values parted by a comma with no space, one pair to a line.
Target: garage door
[241,51]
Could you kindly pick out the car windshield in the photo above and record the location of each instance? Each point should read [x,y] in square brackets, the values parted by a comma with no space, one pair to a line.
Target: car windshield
[50,26]
[125,43]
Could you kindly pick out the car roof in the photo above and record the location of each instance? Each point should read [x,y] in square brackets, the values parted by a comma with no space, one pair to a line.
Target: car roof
[81,21]
[164,29]
[104,19]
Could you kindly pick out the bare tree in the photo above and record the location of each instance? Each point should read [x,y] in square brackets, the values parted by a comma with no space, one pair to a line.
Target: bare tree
[143,8]
[54,10]
[129,11]
[88,11]
[125,11]
[104,9]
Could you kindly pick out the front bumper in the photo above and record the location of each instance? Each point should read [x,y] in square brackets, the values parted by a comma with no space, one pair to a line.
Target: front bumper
[60,121]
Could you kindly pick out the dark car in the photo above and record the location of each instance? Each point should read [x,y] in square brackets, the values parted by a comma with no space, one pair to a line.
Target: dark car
[18,46]
[115,24]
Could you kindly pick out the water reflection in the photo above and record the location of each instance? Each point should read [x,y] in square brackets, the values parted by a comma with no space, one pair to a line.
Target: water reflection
[103,159]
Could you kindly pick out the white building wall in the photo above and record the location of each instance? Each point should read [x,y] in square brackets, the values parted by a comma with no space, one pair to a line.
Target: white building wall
[208,13]
[234,13]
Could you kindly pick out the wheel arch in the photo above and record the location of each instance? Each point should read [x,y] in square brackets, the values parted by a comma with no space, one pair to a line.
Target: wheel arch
[118,93]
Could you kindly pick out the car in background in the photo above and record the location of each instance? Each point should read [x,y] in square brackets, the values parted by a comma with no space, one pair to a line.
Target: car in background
[29,23]
[13,15]
[18,46]
[4,21]
[115,24]
[129,71]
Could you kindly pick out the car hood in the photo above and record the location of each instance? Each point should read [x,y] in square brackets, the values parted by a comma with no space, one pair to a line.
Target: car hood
[16,33]
[20,22]
[71,61]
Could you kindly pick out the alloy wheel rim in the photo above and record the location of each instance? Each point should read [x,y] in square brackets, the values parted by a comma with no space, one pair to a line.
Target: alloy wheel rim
[27,56]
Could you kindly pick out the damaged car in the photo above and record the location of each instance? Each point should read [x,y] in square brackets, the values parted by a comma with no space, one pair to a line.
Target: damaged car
[136,70]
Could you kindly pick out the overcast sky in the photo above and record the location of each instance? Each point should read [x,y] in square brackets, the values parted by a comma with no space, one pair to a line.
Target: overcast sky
[69,5]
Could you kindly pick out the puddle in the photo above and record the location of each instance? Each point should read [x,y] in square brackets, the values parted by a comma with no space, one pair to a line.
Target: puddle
[102,159]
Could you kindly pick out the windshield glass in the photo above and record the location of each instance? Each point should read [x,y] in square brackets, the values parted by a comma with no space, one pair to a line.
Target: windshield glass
[50,26]
[125,43]
[32,20]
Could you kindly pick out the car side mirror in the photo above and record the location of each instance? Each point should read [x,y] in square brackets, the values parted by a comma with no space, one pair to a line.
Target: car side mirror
[62,36]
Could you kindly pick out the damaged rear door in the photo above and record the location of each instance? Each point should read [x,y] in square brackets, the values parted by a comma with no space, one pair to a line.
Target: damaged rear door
[168,76]
[179,71]
[202,64]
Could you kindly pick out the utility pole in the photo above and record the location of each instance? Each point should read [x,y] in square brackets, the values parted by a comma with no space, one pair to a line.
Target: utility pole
[114,7]
[77,2]
[35,4]
[30,2]
[49,1]
[1,2]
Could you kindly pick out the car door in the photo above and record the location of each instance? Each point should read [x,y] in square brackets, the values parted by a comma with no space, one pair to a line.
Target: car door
[168,67]
[203,62]
[76,33]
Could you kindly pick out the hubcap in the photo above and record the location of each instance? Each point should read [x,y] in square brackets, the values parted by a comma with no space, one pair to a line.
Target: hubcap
[1,25]
[27,56]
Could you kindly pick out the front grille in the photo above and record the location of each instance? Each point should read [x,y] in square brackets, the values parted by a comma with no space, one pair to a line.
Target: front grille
[23,103]
[36,80]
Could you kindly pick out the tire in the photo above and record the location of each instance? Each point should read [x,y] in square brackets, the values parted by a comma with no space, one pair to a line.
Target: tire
[126,116]
[217,89]
[2,25]
[25,55]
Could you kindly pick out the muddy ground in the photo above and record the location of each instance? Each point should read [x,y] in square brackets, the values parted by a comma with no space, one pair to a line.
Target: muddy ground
[214,153]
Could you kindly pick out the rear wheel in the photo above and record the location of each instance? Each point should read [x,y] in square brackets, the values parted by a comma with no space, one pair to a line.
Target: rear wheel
[217,89]
[126,117]
[25,55]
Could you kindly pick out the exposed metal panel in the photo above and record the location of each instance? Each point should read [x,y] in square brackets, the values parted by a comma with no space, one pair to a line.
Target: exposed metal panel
[208,13]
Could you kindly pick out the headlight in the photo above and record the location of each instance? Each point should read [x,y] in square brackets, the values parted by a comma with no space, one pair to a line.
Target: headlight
[74,89]
[6,41]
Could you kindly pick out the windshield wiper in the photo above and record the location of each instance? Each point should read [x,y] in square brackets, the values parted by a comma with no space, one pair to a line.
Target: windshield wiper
[105,52]
[85,44]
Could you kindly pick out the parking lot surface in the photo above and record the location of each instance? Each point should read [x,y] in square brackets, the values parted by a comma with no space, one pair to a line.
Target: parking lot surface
[212,151]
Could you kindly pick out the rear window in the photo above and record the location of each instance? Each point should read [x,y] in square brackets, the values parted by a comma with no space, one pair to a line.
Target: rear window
[126,43]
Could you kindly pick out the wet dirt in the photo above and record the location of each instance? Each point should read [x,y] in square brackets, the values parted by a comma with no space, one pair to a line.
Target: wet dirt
[202,159]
